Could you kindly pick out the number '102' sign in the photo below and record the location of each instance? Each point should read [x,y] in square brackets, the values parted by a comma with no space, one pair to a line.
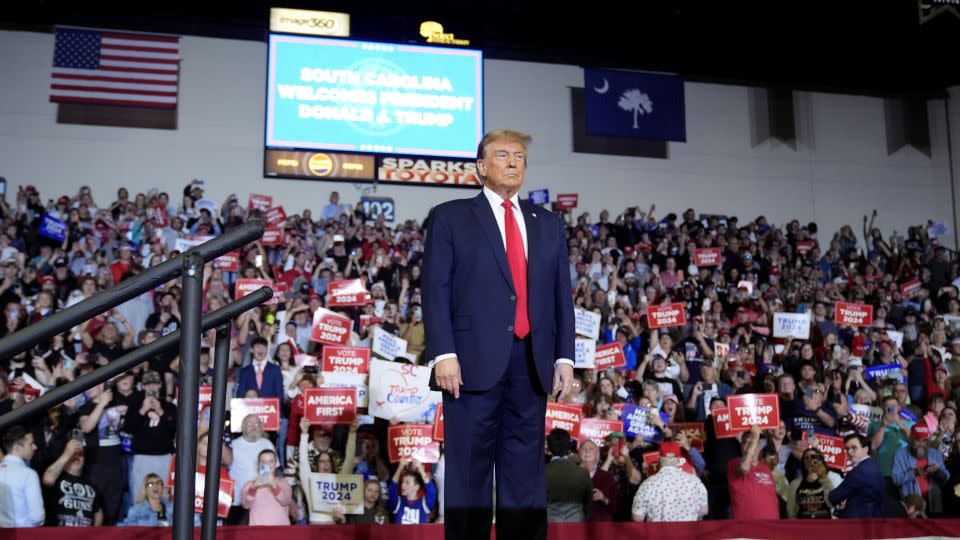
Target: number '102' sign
[374,207]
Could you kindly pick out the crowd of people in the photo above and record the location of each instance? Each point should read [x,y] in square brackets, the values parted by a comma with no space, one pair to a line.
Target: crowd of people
[887,389]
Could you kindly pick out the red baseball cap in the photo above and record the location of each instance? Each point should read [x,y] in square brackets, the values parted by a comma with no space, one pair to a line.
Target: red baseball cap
[670,449]
[920,432]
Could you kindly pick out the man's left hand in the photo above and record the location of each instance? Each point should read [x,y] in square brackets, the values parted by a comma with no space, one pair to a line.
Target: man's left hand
[562,381]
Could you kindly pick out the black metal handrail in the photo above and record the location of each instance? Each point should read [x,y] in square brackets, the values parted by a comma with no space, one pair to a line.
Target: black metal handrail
[190,266]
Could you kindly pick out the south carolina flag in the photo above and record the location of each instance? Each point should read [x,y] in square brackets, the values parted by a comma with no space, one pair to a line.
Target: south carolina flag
[635,104]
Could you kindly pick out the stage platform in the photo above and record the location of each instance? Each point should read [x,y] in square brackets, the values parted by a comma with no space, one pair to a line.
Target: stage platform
[853,529]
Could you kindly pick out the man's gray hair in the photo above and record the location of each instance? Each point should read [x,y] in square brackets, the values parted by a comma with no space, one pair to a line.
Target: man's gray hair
[491,136]
[669,461]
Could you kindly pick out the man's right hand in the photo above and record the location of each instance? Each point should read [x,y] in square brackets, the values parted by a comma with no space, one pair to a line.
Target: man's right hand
[447,375]
[73,447]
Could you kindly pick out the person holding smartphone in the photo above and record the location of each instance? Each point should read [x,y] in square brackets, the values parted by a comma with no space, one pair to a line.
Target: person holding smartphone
[268,495]
[152,424]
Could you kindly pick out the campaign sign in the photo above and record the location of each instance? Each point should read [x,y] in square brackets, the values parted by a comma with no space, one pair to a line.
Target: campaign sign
[330,405]
[896,338]
[721,424]
[183,244]
[206,396]
[609,356]
[330,328]
[259,202]
[276,217]
[721,350]
[279,287]
[52,228]
[832,448]
[367,320]
[245,286]
[707,257]
[224,494]
[565,416]
[272,236]
[347,292]
[597,430]
[539,197]
[694,431]
[329,492]
[438,424]
[584,351]
[651,462]
[868,414]
[268,409]
[229,261]
[908,416]
[387,345]
[567,200]
[852,314]
[910,288]
[636,423]
[666,315]
[209,205]
[355,381]
[805,246]
[937,230]
[401,390]
[748,410]
[414,441]
[884,371]
[795,325]
[346,359]
[305,360]
[586,323]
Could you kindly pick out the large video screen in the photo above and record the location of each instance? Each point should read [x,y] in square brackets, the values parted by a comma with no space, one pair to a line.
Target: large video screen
[384,98]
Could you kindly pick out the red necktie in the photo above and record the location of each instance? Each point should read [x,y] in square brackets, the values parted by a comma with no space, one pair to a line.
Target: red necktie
[259,371]
[518,269]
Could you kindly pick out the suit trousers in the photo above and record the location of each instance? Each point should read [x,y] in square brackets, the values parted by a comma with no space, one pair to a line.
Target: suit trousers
[500,429]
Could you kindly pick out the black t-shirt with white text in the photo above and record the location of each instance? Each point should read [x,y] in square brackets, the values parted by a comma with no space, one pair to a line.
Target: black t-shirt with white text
[71,502]
[811,501]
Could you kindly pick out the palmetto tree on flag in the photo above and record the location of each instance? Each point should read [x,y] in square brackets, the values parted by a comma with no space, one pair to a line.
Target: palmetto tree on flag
[635,101]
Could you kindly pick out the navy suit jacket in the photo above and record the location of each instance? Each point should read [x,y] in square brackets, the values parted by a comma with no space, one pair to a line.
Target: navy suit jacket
[863,489]
[469,299]
[272,381]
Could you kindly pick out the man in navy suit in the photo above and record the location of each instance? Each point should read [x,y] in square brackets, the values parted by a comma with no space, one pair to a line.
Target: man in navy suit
[498,313]
[260,375]
[862,491]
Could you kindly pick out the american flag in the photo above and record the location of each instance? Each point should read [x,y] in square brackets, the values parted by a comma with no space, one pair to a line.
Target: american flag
[90,66]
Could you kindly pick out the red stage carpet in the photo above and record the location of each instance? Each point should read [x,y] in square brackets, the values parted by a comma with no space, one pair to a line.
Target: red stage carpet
[705,530]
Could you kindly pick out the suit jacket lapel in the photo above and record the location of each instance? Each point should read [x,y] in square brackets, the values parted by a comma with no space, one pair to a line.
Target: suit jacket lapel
[533,233]
[533,244]
[488,223]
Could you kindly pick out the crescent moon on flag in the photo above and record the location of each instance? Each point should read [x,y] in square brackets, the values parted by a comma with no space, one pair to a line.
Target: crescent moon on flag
[604,88]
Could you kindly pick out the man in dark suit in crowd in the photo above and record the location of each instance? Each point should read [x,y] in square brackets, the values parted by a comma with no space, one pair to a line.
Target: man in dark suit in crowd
[262,376]
[498,312]
[862,492]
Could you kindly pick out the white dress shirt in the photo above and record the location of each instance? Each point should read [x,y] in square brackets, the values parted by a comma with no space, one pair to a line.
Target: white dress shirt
[500,213]
[245,465]
[21,503]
